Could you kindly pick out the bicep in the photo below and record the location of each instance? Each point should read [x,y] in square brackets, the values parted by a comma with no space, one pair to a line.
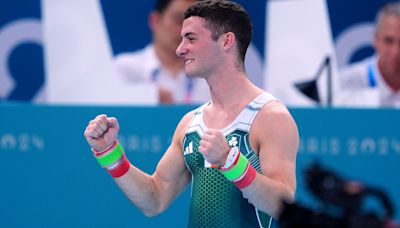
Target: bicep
[171,172]
[278,145]
[171,175]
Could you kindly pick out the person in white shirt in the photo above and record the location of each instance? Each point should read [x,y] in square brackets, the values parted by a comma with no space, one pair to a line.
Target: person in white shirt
[158,62]
[375,82]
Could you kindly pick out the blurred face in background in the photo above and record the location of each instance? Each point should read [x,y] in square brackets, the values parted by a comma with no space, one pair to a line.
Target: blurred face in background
[387,45]
[167,25]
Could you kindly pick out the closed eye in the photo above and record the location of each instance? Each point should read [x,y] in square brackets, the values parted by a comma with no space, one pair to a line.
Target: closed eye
[388,40]
[189,36]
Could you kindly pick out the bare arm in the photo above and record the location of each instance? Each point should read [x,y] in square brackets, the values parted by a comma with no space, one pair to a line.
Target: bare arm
[276,136]
[151,193]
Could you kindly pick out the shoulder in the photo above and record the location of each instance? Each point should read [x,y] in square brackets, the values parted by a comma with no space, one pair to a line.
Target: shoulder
[183,125]
[137,65]
[129,57]
[274,110]
[274,134]
[275,120]
[139,56]
[185,121]
[355,75]
[128,63]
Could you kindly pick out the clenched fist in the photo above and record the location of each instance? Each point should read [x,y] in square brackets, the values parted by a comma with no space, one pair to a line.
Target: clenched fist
[214,147]
[101,132]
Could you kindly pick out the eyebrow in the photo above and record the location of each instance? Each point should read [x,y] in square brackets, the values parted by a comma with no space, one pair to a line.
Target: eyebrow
[188,34]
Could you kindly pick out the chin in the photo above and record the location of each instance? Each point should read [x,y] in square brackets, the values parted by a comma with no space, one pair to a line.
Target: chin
[189,73]
[192,72]
[192,75]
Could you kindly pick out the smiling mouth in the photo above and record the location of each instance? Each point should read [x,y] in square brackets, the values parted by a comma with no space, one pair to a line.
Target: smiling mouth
[187,61]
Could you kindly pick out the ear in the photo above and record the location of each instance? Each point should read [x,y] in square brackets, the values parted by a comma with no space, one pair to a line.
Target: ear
[228,40]
[153,19]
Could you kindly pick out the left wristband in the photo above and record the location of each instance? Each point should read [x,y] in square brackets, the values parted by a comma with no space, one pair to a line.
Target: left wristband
[239,171]
[113,160]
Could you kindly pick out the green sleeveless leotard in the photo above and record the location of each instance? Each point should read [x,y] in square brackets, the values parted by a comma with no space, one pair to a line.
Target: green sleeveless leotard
[215,201]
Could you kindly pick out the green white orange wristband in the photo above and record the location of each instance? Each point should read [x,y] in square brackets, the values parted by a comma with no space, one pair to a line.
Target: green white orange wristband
[113,160]
[238,169]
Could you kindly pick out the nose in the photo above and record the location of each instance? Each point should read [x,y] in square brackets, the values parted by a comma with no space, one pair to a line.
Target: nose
[180,50]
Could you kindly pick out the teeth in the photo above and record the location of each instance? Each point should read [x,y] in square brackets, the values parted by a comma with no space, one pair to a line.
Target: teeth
[189,61]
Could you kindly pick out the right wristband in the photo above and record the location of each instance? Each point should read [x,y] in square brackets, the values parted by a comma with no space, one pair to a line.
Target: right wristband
[110,158]
[121,168]
[113,160]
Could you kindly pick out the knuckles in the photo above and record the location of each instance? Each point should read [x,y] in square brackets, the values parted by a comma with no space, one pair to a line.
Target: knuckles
[95,126]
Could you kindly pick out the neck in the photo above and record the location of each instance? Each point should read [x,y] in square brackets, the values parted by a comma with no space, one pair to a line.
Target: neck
[169,60]
[231,90]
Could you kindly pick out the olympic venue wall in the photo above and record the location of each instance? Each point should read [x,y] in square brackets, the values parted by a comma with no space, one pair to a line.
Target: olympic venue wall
[50,178]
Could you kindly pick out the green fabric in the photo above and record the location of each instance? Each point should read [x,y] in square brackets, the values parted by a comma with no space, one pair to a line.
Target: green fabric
[216,201]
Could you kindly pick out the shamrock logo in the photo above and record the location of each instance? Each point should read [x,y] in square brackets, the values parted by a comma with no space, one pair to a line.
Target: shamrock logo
[233,141]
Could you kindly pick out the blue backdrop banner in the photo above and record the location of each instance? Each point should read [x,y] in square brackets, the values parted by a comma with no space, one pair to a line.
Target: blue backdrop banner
[50,178]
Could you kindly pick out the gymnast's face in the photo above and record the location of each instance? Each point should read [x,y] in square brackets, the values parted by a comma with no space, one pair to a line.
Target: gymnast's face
[202,54]
[387,45]
[167,25]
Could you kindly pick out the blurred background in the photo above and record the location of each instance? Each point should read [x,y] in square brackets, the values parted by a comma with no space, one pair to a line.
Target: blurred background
[57,73]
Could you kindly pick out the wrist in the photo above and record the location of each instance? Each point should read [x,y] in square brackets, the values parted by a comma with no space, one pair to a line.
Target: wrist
[99,153]
[231,159]
[239,172]
[113,159]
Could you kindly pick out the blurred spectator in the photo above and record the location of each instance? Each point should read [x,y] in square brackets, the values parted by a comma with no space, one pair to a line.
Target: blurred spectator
[375,81]
[158,62]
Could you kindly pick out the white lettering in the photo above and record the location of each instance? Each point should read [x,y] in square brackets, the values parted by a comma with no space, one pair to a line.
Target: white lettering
[352,145]
[367,146]
[395,145]
[154,144]
[23,142]
[383,146]
[8,142]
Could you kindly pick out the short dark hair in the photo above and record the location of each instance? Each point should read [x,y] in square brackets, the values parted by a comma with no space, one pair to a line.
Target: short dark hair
[161,5]
[224,16]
